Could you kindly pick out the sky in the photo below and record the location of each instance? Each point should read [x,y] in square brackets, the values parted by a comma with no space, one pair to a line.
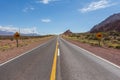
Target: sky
[54,16]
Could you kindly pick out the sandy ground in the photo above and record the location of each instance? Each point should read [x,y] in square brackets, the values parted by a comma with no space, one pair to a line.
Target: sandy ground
[8,54]
[112,55]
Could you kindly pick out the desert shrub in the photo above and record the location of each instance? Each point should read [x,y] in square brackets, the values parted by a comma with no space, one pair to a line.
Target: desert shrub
[21,45]
[25,37]
[83,41]
[114,41]
[117,47]
[93,44]
[73,35]
[87,36]
[26,44]
[77,36]
[3,48]
[114,33]
[110,46]
[106,38]
[11,39]
[118,38]
[91,37]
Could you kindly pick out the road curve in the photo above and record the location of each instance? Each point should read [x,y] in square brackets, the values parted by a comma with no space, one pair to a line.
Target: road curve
[77,64]
[34,65]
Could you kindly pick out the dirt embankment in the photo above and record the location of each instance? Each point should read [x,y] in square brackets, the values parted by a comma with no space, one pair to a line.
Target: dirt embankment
[112,55]
[14,51]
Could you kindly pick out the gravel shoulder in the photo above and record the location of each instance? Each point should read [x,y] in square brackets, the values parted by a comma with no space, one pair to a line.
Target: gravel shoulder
[112,55]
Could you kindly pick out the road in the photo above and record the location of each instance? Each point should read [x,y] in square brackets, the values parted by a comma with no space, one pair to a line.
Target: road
[73,63]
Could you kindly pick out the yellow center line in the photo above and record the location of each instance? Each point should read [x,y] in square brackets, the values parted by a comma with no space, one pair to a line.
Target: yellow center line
[53,72]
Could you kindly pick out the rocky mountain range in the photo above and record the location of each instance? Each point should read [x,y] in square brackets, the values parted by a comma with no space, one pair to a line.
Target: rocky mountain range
[6,33]
[112,23]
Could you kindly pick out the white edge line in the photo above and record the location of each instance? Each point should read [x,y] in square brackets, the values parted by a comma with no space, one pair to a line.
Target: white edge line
[97,56]
[22,54]
[102,58]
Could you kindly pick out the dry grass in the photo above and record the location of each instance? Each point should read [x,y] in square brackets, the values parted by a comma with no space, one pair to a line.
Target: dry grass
[11,44]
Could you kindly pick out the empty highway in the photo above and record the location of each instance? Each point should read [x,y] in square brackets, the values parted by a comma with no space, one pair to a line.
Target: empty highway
[73,63]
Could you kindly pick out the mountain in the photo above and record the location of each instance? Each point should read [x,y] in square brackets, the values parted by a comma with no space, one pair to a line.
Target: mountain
[67,32]
[12,33]
[112,23]
[6,33]
[30,34]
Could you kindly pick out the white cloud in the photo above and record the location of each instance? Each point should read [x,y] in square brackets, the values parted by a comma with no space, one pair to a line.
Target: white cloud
[29,30]
[8,28]
[97,5]
[16,29]
[46,20]
[30,8]
[46,1]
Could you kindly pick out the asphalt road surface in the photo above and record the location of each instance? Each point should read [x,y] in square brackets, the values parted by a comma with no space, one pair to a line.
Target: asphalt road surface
[35,65]
[73,63]
[77,64]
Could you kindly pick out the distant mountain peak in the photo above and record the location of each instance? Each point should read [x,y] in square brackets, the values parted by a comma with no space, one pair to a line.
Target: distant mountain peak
[67,32]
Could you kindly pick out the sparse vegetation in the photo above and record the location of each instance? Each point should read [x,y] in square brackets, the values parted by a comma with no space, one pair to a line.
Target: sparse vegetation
[109,39]
[8,42]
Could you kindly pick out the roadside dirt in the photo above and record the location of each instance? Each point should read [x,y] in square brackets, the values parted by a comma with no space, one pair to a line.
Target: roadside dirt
[112,55]
[11,53]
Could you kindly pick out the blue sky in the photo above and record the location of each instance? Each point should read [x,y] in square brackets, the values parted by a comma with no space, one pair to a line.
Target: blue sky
[54,16]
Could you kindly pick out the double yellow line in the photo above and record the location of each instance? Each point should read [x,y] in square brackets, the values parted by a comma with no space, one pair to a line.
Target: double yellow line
[54,66]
